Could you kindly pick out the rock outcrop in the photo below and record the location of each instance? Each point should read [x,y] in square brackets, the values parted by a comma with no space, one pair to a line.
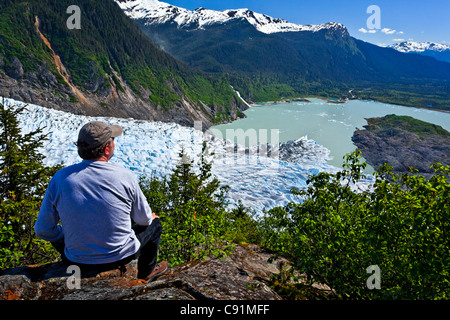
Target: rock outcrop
[403,142]
[243,275]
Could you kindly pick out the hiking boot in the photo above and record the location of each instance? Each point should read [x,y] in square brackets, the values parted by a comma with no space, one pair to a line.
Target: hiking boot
[159,270]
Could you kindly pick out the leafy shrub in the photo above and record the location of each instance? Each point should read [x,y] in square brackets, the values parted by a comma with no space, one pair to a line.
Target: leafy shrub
[334,234]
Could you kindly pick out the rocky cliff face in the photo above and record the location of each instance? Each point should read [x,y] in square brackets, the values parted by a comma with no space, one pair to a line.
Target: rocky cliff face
[244,275]
[109,102]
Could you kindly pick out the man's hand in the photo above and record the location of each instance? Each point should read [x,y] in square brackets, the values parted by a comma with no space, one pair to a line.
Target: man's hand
[154,216]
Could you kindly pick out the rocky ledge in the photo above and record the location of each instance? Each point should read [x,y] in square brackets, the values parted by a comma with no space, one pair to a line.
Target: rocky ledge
[403,142]
[243,275]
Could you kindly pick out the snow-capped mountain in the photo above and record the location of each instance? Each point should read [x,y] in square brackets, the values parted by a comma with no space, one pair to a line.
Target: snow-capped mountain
[245,43]
[432,49]
[411,46]
[157,12]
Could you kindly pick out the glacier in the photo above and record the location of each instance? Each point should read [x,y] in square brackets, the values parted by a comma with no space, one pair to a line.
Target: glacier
[261,177]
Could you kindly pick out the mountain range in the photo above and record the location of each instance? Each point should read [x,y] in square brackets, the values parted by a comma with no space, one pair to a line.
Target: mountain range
[432,49]
[268,58]
[158,12]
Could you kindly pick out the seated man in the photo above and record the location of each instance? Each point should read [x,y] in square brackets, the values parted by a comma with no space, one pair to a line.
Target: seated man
[97,203]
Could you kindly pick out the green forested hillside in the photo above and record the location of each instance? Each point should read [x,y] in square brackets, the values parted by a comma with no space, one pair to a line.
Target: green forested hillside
[328,62]
[108,50]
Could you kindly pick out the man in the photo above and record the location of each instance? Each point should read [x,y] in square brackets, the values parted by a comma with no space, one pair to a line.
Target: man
[97,203]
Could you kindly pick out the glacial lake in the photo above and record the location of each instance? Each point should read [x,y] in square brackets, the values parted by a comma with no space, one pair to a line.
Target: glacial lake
[330,125]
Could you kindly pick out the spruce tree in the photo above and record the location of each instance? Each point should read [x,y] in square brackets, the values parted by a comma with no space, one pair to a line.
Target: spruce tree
[23,181]
[192,205]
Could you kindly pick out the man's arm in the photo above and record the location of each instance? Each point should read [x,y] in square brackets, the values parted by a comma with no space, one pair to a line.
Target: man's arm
[46,226]
[141,213]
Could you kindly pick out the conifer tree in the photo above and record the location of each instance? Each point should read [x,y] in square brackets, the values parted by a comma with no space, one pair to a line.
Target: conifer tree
[192,204]
[23,181]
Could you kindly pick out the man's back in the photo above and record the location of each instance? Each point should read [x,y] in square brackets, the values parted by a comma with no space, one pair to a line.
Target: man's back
[95,201]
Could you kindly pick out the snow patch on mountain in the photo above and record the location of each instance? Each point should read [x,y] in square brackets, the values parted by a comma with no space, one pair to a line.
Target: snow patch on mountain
[156,12]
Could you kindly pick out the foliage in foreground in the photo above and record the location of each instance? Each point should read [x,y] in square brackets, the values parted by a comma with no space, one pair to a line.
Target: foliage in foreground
[23,181]
[194,212]
[339,237]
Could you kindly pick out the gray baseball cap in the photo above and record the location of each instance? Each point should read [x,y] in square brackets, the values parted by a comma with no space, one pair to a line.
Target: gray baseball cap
[95,133]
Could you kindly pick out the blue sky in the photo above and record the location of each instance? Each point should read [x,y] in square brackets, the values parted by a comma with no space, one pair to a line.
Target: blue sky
[415,20]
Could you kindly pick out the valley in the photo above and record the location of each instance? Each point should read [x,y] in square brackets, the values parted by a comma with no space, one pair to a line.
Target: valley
[269,59]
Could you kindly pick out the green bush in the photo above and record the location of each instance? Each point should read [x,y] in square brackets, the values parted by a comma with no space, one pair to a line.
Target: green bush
[334,234]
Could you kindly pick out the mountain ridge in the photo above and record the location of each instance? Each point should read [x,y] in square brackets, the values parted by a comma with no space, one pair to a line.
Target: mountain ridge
[414,46]
[160,12]
[436,50]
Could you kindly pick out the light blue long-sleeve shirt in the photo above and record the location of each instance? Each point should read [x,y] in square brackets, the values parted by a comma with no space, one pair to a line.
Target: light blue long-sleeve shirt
[96,202]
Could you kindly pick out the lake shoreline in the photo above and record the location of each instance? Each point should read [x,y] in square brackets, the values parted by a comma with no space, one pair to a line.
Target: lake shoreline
[330,125]
[328,100]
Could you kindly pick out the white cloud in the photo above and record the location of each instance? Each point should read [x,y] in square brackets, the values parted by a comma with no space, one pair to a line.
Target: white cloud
[398,40]
[367,31]
[388,31]
[384,30]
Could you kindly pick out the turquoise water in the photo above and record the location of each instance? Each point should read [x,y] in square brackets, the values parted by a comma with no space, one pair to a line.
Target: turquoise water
[330,125]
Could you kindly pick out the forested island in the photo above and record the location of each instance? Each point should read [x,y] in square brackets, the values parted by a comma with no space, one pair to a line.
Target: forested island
[403,142]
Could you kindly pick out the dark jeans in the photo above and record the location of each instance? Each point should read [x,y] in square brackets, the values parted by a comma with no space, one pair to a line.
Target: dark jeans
[147,254]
